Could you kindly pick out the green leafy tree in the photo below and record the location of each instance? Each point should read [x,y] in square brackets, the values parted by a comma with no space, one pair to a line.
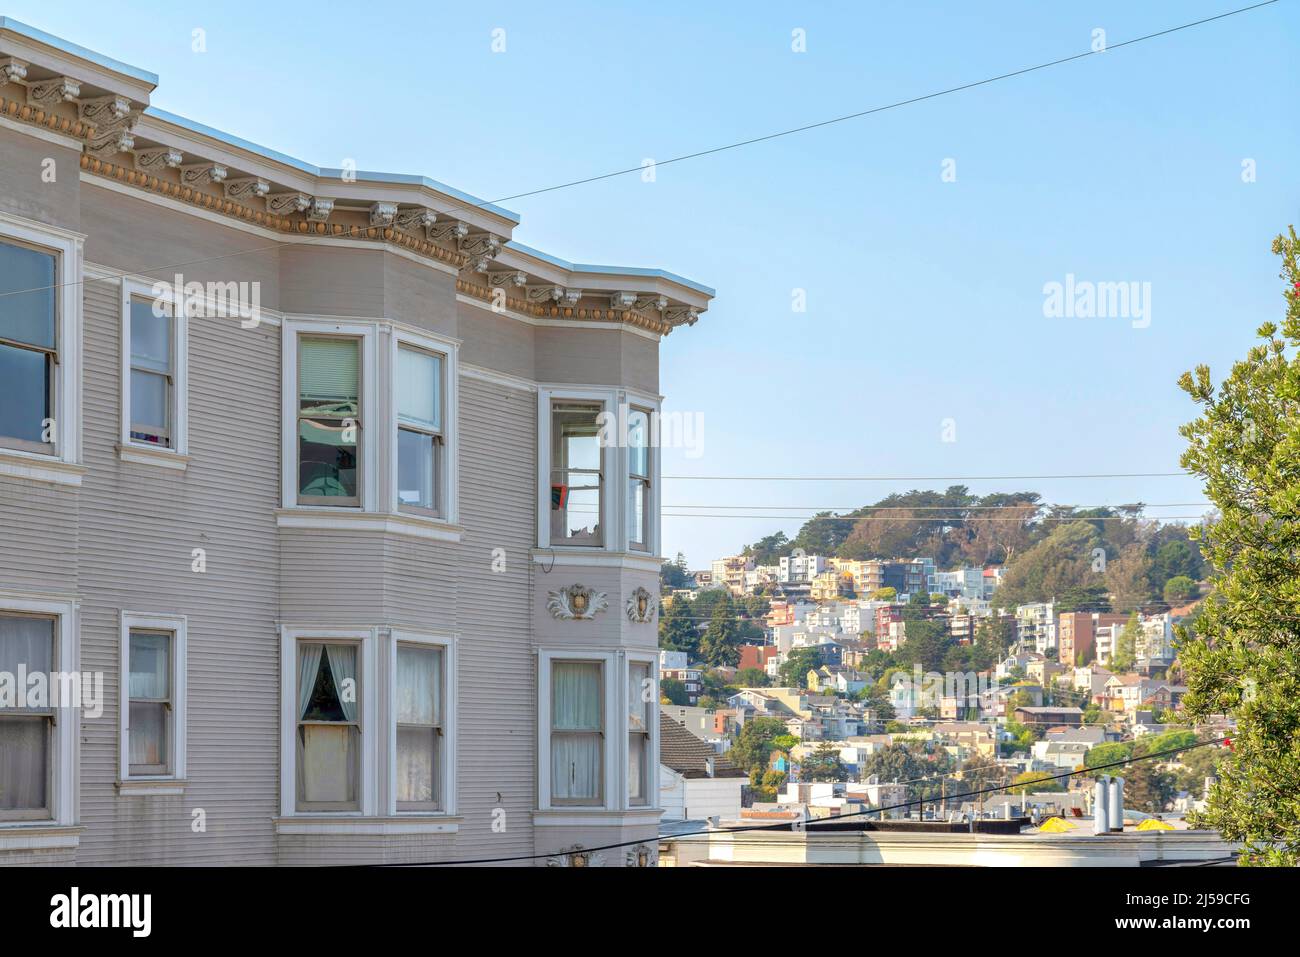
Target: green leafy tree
[1035,781]
[721,642]
[823,764]
[674,574]
[1244,657]
[1108,753]
[677,631]
[1125,656]
[753,745]
[888,593]
[798,662]
[752,678]
[1179,590]
[673,691]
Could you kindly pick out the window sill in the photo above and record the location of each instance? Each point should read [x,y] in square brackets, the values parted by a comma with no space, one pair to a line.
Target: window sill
[598,557]
[148,455]
[150,787]
[414,824]
[396,523]
[596,816]
[38,836]
[40,468]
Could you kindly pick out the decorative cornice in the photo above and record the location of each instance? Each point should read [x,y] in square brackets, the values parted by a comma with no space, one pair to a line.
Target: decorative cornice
[681,316]
[16,110]
[551,310]
[13,69]
[448,229]
[111,143]
[199,174]
[383,214]
[279,204]
[510,277]
[416,220]
[320,210]
[106,113]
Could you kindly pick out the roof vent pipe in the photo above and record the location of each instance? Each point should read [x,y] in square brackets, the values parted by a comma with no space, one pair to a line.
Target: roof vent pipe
[1100,815]
[1117,804]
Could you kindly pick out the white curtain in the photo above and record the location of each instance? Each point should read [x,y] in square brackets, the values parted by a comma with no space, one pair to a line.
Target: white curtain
[24,768]
[26,641]
[419,388]
[638,675]
[309,656]
[150,668]
[576,705]
[636,754]
[343,665]
[419,685]
[148,734]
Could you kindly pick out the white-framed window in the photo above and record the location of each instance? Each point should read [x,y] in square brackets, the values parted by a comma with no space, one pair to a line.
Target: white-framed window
[152,710]
[642,730]
[40,343]
[155,376]
[597,737]
[423,450]
[640,485]
[422,724]
[329,442]
[577,491]
[38,732]
[328,699]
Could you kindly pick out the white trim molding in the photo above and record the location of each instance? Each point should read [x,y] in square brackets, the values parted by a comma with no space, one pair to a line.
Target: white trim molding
[447,747]
[176,455]
[63,465]
[174,780]
[368,661]
[66,732]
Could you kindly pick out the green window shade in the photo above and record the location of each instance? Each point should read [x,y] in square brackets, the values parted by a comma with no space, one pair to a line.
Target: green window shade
[151,337]
[419,388]
[328,375]
[27,289]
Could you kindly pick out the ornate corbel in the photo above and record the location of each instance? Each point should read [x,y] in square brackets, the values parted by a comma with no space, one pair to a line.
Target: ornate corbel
[570,297]
[50,93]
[510,277]
[247,186]
[622,300]
[285,204]
[199,174]
[383,214]
[108,144]
[576,603]
[320,210]
[415,220]
[681,315]
[156,159]
[105,113]
[12,70]
[658,303]
[452,229]
[543,293]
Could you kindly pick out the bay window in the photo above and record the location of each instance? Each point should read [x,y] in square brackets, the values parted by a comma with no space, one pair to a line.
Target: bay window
[328,728]
[419,380]
[577,733]
[29,346]
[639,512]
[577,474]
[329,420]
[27,642]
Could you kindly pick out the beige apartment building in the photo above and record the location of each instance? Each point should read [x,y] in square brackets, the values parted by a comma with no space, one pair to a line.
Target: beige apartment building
[330,511]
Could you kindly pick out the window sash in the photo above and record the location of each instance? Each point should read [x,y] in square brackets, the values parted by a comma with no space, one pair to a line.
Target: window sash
[45,716]
[571,731]
[567,478]
[435,469]
[167,724]
[351,776]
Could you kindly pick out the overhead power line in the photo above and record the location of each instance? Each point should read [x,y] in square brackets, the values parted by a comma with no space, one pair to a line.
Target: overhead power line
[458,205]
[814,825]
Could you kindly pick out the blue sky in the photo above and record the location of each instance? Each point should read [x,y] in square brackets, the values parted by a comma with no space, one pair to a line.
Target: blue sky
[924,297]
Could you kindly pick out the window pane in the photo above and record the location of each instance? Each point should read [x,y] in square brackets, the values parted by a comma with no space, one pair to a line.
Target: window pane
[419,388]
[149,402]
[327,464]
[28,642]
[575,436]
[24,763]
[416,765]
[150,665]
[638,443]
[639,695]
[637,745]
[24,393]
[328,376]
[151,336]
[575,696]
[28,315]
[148,733]
[636,496]
[328,763]
[415,468]
[419,685]
[575,767]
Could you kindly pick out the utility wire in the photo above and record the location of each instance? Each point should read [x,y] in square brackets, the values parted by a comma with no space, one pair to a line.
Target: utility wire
[813,825]
[919,478]
[458,205]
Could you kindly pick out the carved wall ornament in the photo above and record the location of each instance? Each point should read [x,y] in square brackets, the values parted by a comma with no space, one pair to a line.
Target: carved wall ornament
[199,174]
[642,856]
[247,186]
[576,857]
[13,70]
[510,277]
[383,214]
[283,204]
[320,210]
[681,315]
[451,229]
[640,606]
[106,113]
[106,144]
[658,303]
[576,603]
[416,219]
